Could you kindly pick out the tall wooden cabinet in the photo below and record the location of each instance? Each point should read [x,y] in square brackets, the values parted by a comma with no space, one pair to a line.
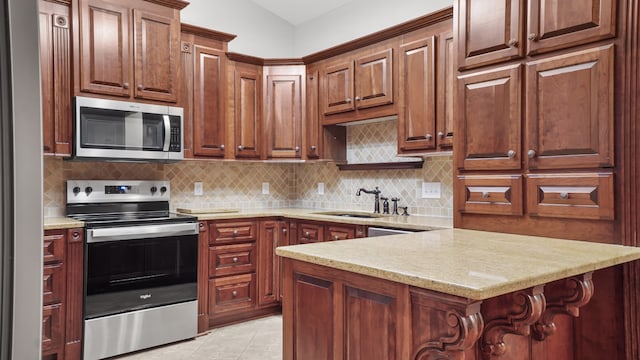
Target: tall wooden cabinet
[128,50]
[55,71]
[203,91]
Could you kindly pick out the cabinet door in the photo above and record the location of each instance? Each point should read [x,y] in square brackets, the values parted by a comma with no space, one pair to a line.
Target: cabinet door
[557,24]
[489,31]
[374,79]
[570,110]
[209,120]
[284,116]
[312,129]
[416,123]
[248,110]
[55,71]
[104,48]
[489,120]
[337,88]
[273,233]
[445,86]
[156,40]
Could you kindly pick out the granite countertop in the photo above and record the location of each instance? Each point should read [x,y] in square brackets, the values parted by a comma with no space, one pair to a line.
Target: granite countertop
[54,223]
[472,264]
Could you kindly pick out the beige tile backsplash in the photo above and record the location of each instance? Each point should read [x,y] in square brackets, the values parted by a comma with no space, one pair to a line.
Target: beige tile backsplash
[237,184]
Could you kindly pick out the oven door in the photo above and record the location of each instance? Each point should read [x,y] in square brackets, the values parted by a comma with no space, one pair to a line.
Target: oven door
[136,267]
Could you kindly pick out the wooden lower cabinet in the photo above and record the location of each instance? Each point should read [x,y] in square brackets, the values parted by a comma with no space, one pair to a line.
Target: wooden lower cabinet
[307,231]
[62,293]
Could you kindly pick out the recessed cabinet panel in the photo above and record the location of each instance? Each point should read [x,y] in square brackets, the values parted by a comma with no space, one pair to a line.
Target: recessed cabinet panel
[490,31]
[480,194]
[284,116]
[374,80]
[248,110]
[232,293]
[570,110]
[233,232]
[490,119]
[555,24]
[578,196]
[232,259]
[209,120]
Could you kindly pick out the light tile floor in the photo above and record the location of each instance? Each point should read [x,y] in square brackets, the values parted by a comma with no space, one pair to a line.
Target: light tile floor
[259,339]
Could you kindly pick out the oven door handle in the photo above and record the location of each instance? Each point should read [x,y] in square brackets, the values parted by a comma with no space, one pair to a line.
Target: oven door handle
[140,232]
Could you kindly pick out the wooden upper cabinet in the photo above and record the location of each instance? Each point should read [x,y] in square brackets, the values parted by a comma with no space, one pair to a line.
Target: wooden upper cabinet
[284,103]
[445,88]
[209,123]
[417,122]
[248,110]
[128,50]
[554,24]
[570,111]
[338,88]
[374,79]
[156,49]
[489,31]
[489,132]
[104,48]
[55,71]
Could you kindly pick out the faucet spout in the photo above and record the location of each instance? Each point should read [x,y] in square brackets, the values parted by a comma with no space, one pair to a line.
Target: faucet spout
[376,192]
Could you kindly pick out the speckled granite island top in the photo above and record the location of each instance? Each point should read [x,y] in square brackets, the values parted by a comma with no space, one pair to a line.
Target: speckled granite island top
[472,264]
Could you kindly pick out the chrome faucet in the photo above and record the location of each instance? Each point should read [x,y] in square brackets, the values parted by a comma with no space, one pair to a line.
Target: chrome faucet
[376,192]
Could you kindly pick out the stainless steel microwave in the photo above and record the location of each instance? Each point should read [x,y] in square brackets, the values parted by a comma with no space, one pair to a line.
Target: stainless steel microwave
[121,130]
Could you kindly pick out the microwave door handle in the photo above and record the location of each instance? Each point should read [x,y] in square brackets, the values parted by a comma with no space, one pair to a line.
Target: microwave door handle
[167,133]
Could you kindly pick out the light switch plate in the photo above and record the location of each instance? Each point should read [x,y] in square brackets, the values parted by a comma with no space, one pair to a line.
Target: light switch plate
[265,188]
[320,188]
[197,188]
[430,190]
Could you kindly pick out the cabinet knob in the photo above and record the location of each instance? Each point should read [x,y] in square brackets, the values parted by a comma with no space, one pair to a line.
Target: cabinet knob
[221,146]
[513,43]
[336,237]
[347,100]
[511,154]
[357,98]
[533,36]
[284,230]
[428,137]
[75,235]
[531,154]
[234,293]
[485,194]
[235,232]
[306,233]
[125,85]
[201,226]
[235,259]
[313,148]
[140,87]
[297,148]
[240,147]
[564,195]
[440,135]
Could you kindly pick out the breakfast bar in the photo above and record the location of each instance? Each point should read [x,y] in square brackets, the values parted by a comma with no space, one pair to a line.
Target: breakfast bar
[444,294]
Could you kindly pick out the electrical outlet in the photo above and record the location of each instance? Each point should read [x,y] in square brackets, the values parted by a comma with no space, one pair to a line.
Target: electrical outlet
[197,188]
[320,188]
[430,190]
[265,188]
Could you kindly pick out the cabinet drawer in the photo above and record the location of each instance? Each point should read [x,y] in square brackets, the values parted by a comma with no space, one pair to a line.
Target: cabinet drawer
[232,259]
[310,233]
[579,196]
[52,323]
[53,283]
[233,232]
[53,246]
[231,293]
[337,232]
[498,194]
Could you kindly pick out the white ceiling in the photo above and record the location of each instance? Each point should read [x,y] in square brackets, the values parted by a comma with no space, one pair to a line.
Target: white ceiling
[297,12]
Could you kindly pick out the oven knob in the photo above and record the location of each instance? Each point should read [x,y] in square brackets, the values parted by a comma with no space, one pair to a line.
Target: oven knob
[163,189]
[76,190]
[154,189]
[88,190]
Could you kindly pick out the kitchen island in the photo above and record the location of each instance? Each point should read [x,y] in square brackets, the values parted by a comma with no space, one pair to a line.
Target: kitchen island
[445,294]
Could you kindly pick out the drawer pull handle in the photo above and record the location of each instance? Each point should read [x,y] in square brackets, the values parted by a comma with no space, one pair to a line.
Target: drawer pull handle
[533,36]
[235,259]
[511,154]
[440,135]
[235,232]
[513,43]
[531,154]
[313,148]
[348,100]
[234,293]
[428,137]
[240,147]
[564,195]
[485,194]
[221,146]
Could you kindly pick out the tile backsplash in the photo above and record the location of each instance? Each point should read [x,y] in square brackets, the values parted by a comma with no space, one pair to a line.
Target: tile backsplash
[238,184]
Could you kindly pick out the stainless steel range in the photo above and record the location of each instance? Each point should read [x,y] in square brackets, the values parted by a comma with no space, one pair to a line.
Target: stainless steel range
[140,270]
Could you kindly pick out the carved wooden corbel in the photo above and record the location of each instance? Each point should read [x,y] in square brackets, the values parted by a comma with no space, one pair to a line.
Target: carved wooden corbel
[512,313]
[467,329]
[565,297]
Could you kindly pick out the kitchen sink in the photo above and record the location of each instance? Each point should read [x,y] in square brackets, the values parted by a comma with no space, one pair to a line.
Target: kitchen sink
[354,214]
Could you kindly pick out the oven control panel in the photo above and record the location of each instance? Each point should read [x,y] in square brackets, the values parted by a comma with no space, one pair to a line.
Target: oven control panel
[96,191]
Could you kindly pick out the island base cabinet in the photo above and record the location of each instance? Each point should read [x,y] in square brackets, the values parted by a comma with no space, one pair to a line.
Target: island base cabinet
[338,315]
